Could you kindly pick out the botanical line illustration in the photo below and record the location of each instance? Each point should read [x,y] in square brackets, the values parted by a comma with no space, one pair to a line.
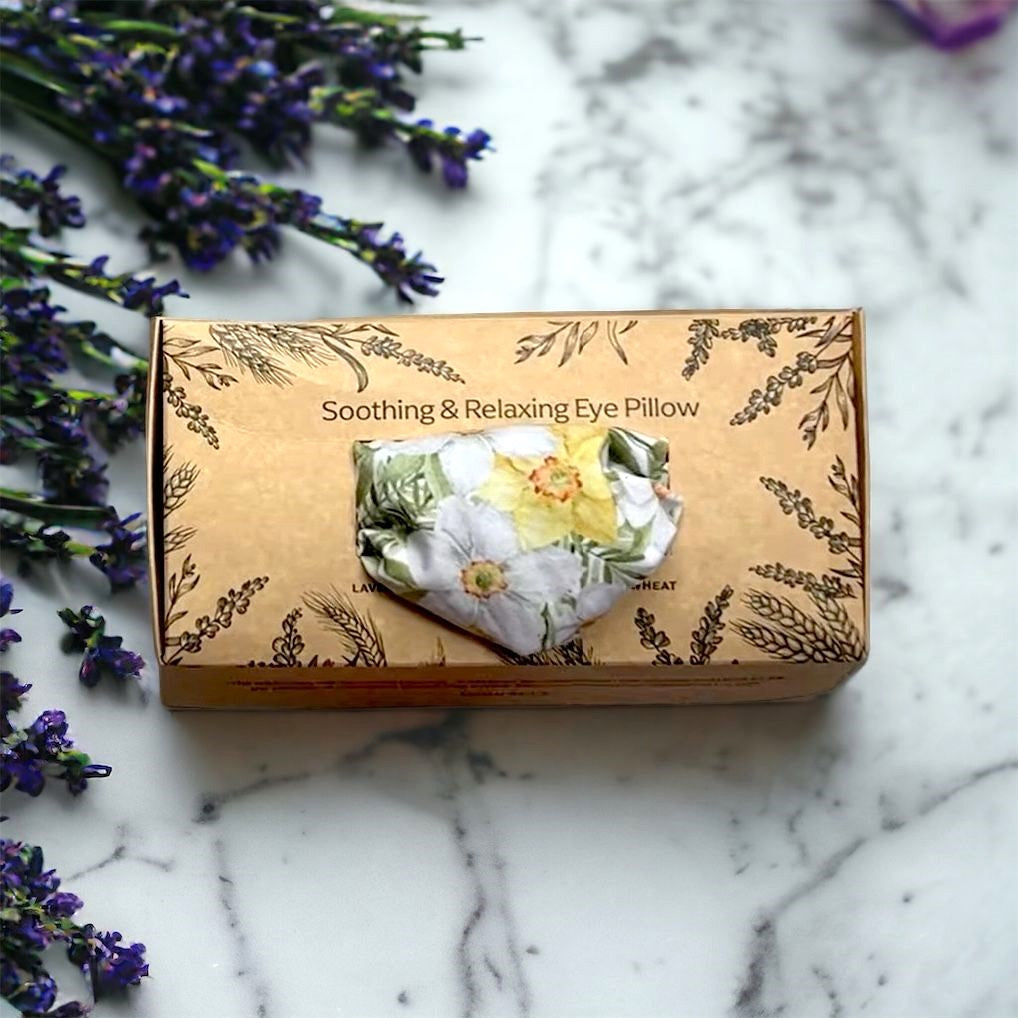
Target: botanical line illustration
[831,361]
[703,641]
[189,357]
[821,631]
[357,631]
[177,483]
[289,645]
[703,332]
[574,339]
[235,601]
[261,349]
[573,653]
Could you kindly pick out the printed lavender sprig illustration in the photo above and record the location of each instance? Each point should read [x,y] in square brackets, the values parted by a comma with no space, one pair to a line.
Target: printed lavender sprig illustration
[288,646]
[180,585]
[831,360]
[704,640]
[761,332]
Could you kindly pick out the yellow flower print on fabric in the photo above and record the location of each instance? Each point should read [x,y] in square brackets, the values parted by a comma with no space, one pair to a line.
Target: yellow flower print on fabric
[558,494]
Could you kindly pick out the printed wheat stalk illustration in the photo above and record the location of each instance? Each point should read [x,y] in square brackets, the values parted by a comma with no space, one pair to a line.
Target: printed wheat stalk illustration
[575,337]
[177,484]
[840,625]
[784,646]
[177,481]
[260,349]
[572,654]
[781,612]
[362,642]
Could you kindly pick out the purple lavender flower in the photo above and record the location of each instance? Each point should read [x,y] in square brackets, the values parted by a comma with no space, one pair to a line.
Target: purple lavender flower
[103,655]
[42,195]
[115,966]
[122,558]
[37,542]
[28,755]
[11,692]
[450,148]
[37,915]
[7,635]
[172,118]
[118,418]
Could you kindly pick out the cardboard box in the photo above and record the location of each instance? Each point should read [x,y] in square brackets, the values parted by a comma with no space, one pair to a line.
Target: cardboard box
[259,599]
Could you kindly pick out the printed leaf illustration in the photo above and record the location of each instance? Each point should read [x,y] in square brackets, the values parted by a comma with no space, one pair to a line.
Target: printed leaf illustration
[573,339]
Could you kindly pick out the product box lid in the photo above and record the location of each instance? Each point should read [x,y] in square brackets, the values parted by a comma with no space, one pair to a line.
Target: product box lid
[260,598]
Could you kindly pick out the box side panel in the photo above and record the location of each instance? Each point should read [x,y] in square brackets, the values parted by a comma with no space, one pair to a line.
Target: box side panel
[154,482]
[279,688]
[862,426]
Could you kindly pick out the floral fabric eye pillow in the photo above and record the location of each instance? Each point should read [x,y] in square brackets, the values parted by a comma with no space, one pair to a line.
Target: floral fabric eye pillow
[518,534]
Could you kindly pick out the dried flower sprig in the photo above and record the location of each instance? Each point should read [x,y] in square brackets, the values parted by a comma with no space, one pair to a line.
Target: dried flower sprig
[38,915]
[169,98]
[102,655]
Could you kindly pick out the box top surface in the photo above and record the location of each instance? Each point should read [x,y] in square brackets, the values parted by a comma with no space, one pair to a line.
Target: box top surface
[253,498]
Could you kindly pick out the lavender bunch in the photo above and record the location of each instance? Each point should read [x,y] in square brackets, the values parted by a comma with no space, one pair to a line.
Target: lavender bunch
[37,915]
[103,655]
[42,749]
[34,913]
[64,429]
[172,97]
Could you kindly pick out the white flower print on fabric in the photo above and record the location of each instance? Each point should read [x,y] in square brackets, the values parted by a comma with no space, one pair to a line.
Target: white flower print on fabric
[477,576]
[520,534]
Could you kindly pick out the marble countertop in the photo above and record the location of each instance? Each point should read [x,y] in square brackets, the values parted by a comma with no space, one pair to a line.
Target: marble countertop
[853,856]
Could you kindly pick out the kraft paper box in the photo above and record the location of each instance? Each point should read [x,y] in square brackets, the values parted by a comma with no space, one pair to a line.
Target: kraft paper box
[260,598]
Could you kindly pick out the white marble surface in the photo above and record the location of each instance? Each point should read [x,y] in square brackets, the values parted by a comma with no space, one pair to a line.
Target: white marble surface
[848,857]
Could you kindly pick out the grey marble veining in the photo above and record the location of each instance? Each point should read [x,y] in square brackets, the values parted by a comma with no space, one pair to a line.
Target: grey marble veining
[853,856]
